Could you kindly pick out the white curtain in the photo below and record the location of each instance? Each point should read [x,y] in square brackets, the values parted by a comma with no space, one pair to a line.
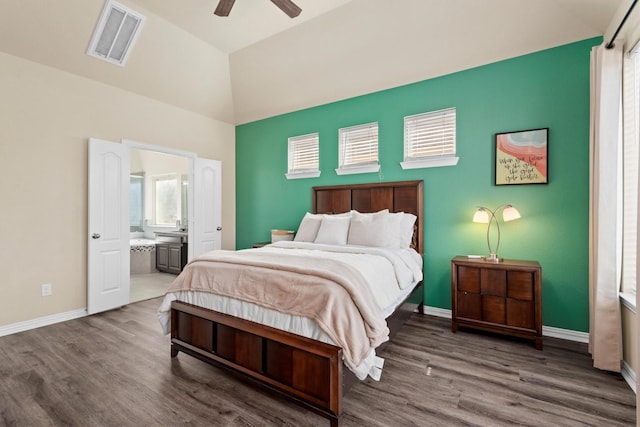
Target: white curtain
[605,210]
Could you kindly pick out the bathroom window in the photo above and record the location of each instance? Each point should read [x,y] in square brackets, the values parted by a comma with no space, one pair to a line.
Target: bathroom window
[183,199]
[166,199]
[136,201]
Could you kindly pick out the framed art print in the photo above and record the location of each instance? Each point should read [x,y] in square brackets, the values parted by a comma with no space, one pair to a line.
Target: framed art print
[521,157]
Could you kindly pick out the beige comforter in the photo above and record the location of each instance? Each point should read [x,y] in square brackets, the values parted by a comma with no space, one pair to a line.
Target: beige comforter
[329,291]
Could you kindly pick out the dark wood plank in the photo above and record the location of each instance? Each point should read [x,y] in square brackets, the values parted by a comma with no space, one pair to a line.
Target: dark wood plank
[114,369]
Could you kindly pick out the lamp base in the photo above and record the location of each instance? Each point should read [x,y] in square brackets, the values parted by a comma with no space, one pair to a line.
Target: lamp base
[493,257]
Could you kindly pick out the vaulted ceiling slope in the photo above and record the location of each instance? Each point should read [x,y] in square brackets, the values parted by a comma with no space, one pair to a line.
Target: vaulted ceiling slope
[366,46]
[258,63]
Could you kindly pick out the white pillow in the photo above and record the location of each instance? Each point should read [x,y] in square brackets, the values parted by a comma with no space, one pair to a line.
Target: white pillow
[308,228]
[333,230]
[401,225]
[406,230]
[370,229]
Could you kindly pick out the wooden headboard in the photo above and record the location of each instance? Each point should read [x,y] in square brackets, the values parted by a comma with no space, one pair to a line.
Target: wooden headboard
[401,196]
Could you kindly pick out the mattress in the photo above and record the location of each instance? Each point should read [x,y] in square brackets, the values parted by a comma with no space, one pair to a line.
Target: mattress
[404,269]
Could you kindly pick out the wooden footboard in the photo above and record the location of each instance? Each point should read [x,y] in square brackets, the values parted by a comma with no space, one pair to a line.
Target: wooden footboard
[305,371]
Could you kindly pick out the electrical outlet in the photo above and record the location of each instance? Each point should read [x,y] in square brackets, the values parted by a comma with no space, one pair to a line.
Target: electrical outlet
[47,289]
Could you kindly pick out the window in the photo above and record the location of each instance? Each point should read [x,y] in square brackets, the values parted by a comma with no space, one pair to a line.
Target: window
[430,139]
[136,201]
[184,191]
[304,156]
[166,199]
[358,149]
[631,104]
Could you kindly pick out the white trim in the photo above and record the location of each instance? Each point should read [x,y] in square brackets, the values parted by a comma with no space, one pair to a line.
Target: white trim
[41,321]
[149,147]
[547,331]
[430,162]
[628,300]
[565,334]
[351,170]
[300,175]
[629,376]
[438,312]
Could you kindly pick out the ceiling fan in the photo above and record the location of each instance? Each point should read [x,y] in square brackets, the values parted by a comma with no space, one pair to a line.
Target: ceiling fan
[287,6]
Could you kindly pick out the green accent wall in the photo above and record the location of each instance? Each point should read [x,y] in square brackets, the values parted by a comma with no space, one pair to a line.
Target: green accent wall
[546,89]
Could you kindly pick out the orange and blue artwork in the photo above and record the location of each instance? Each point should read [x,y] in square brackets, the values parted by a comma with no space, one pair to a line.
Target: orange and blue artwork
[521,157]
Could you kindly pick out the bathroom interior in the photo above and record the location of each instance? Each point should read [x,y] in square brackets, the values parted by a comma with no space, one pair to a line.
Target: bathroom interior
[158,221]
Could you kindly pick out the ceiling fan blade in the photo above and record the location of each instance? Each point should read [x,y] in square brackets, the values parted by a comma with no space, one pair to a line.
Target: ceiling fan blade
[288,7]
[224,7]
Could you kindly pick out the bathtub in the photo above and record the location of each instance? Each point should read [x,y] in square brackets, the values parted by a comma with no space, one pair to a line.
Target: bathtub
[143,256]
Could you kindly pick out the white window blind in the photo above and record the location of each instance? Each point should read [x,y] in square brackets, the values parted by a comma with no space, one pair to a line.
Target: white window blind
[358,149]
[631,102]
[304,156]
[429,136]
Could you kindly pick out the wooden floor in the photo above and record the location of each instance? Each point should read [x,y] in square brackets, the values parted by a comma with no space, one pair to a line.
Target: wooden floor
[114,369]
[149,285]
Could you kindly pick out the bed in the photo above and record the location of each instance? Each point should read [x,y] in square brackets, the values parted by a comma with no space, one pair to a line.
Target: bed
[314,368]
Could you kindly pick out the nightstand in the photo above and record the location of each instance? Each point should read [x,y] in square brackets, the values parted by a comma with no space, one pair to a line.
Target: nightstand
[503,297]
[260,244]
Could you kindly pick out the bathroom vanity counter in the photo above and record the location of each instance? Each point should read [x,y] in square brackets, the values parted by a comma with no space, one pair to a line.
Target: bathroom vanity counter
[172,236]
[171,251]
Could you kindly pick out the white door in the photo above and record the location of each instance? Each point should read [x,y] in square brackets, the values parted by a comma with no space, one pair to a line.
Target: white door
[108,239]
[207,198]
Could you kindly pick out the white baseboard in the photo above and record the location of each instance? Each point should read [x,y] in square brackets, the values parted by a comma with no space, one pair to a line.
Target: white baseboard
[629,376]
[438,312]
[547,331]
[41,321]
[565,334]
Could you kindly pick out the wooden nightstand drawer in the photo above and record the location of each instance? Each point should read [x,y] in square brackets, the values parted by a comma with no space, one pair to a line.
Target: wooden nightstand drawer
[469,279]
[469,305]
[521,285]
[493,282]
[520,314]
[503,297]
[493,309]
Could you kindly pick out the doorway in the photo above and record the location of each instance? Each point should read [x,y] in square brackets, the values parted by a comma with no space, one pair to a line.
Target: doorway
[159,185]
[109,239]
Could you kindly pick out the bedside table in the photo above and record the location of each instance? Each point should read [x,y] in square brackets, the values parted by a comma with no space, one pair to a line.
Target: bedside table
[503,297]
[260,244]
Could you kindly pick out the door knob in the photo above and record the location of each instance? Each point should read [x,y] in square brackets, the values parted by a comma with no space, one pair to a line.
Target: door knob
[95,236]
[219,228]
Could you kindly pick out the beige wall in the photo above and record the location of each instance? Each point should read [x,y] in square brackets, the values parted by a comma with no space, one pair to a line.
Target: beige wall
[46,118]
[166,63]
[629,337]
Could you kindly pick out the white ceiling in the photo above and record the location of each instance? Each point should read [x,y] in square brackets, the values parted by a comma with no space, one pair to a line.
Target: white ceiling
[249,21]
[258,62]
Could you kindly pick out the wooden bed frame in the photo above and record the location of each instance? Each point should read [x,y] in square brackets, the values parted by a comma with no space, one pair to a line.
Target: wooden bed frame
[305,371]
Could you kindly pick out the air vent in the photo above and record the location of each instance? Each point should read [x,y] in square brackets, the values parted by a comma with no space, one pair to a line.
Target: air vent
[115,33]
